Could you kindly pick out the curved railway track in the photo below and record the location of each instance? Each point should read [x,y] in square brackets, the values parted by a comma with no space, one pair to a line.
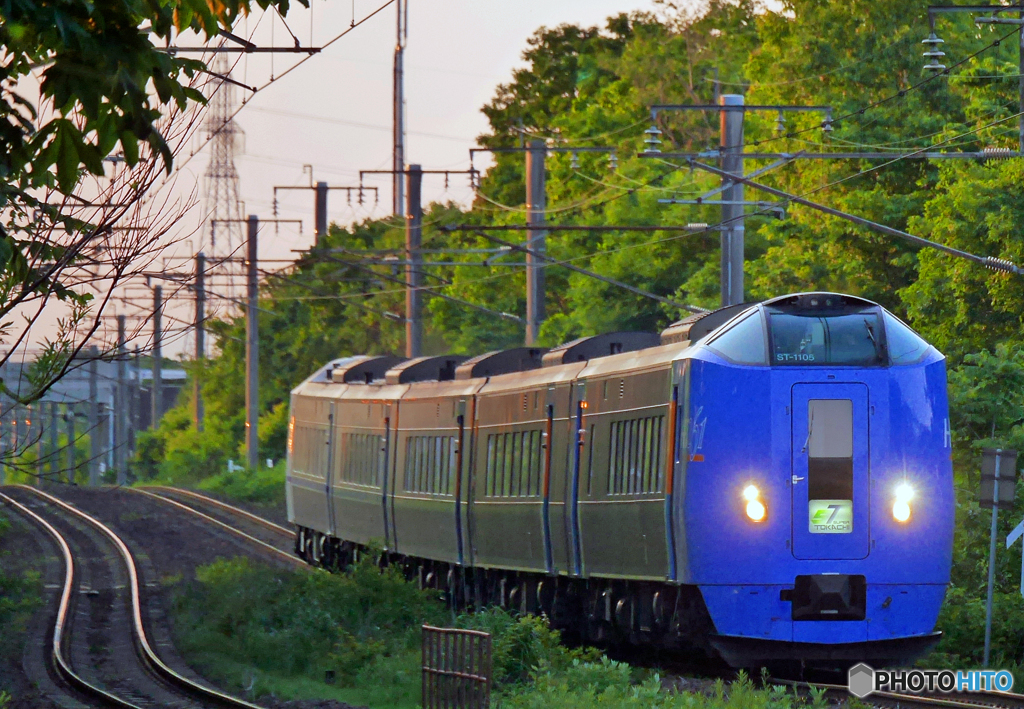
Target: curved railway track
[152,682]
[275,539]
[955,700]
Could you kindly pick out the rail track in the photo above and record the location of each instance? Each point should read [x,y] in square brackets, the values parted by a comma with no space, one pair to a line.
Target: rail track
[955,700]
[275,539]
[95,650]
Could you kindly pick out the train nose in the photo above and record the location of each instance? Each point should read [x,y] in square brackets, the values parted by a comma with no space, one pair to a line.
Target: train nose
[829,597]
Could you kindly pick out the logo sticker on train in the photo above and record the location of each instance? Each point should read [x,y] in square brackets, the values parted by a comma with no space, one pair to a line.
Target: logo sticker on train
[830,516]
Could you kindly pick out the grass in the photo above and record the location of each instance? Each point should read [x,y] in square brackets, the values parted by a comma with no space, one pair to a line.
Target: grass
[20,595]
[262,631]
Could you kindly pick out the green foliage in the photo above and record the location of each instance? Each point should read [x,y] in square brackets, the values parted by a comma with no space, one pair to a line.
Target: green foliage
[522,646]
[262,486]
[20,596]
[301,624]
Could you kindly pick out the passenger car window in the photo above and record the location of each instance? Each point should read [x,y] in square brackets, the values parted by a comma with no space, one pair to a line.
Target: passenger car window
[743,342]
[905,346]
[815,339]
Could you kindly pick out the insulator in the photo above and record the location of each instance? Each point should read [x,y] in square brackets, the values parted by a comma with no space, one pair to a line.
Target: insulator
[697,226]
[780,124]
[826,125]
[1001,264]
[932,40]
[613,161]
[934,54]
[574,162]
[997,153]
[652,141]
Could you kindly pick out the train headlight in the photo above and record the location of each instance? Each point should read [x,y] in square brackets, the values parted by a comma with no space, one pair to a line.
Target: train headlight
[901,507]
[755,508]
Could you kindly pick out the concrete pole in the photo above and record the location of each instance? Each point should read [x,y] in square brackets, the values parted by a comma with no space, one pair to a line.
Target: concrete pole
[54,454]
[398,108]
[38,422]
[94,419]
[732,211]
[197,383]
[121,406]
[156,388]
[69,417]
[413,269]
[252,408]
[536,203]
[135,423]
[321,209]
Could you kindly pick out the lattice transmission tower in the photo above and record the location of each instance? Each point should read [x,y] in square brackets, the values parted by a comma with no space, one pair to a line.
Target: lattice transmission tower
[224,207]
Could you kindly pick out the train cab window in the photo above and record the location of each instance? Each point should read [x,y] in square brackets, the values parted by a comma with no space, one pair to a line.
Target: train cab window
[743,342]
[829,449]
[813,339]
[905,346]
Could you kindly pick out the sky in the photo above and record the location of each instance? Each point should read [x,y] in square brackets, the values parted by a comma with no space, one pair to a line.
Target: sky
[334,112]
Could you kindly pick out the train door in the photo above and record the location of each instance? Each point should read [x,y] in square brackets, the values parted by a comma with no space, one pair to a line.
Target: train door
[578,437]
[329,476]
[385,488]
[830,479]
[460,471]
[547,446]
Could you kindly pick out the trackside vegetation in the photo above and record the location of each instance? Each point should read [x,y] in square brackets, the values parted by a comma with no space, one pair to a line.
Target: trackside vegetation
[355,637]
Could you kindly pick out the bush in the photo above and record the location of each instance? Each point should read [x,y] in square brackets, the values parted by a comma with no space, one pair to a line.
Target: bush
[263,486]
[302,624]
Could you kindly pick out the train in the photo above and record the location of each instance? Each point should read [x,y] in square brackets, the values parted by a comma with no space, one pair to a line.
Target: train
[765,483]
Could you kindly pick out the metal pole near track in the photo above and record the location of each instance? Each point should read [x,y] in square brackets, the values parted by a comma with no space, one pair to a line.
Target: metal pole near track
[252,408]
[197,393]
[733,233]
[121,406]
[414,259]
[536,238]
[156,389]
[94,418]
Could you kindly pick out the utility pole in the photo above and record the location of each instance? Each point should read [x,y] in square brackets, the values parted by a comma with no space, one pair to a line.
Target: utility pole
[121,406]
[536,205]
[252,408]
[69,418]
[320,206]
[320,225]
[156,389]
[94,419]
[54,454]
[398,109]
[414,264]
[197,394]
[537,238]
[136,416]
[733,230]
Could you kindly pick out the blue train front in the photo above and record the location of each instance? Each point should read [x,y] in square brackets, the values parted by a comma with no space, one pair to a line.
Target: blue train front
[817,511]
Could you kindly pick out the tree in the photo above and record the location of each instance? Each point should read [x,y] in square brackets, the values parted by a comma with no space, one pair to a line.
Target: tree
[113,108]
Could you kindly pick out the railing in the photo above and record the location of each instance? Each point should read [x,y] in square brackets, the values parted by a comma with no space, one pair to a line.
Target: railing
[456,668]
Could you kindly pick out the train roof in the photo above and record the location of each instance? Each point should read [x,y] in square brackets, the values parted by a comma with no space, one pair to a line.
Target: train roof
[489,364]
[389,377]
[610,343]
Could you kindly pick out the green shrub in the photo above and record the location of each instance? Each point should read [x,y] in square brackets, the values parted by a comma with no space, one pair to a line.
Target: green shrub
[299,623]
[264,486]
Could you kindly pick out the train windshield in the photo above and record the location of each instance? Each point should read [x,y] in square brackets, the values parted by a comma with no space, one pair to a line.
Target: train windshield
[816,338]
